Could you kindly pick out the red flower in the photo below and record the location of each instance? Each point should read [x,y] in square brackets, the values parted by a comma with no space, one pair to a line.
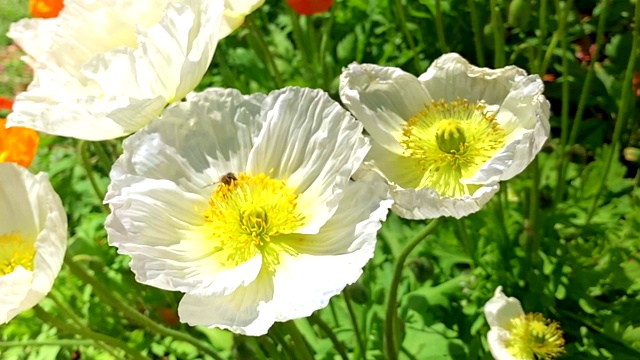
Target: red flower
[310,7]
[45,8]
[5,103]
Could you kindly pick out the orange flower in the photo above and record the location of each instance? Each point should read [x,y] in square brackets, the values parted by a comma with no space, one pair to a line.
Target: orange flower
[45,8]
[310,7]
[17,144]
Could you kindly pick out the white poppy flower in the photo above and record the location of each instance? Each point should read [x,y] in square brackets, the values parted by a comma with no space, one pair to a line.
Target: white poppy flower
[103,69]
[515,335]
[33,239]
[444,140]
[245,204]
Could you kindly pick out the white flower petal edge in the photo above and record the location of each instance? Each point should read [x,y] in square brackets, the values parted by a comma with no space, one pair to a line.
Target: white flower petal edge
[384,99]
[235,12]
[110,67]
[499,310]
[305,283]
[37,210]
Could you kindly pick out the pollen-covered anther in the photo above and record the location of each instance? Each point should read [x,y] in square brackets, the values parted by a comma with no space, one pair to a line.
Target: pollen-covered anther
[451,141]
[246,216]
[16,251]
[534,337]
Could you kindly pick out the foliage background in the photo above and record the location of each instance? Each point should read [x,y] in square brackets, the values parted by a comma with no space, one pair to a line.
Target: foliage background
[563,237]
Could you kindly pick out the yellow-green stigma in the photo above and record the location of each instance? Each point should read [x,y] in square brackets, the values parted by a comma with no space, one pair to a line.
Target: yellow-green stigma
[16,251]
[451,141]
[532,337]
[247,214]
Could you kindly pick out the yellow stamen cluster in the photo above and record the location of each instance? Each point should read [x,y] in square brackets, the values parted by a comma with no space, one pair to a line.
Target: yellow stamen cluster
[246,215]
[532,337]
[16,251]
[451,141]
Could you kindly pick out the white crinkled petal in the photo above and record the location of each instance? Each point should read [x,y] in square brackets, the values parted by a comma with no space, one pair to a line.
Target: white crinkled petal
[159,226]
[92,89]
[450,77]
[396,169]
[426,203]
[497,339]
[383,99]
[34,209]
[500,309]
[312,143]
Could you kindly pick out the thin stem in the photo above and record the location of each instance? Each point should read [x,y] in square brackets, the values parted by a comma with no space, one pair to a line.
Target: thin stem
[390,348]
[326,35]
[114,300]
[356,327]
[298,38]
[440,28]
[279,338]
[402,20]
[107,342]
[564,113]
[103,157]
[302,347]
[60,342]
[86,163]
[557,35]
[477,32]
[268,57]
[337,344]
[534,203]
[498,35]
[544,29]
[467,244]
[627,103]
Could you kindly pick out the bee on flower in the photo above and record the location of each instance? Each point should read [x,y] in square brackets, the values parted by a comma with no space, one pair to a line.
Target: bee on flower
[444,140]
[33,239]
[515,335]
[282,231]
[103,69]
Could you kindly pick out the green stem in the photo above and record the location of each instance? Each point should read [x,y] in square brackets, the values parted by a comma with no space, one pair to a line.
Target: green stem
[103,157]
[390,346]
[440,28]
[498,35]
[477,32]
[544,29]
[115,301]
[326,35]
[557,35]
[337,344]
[362,348]
[301,346]
[83,151]
[61,342]
[227,74]
[402,21]
[627,103]
[298,38]
[107,342]
[279,338]
[534,203]
[465,240]
[267,57]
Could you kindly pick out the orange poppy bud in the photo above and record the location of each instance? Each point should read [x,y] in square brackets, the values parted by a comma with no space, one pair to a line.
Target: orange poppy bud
[45,8]
[5,103]
[17,144]
[310,7]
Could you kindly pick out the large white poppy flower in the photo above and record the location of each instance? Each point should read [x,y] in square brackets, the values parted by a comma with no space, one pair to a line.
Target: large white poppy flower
[33,239]
[444,140]
[103,69]
[515,335]
[281,232]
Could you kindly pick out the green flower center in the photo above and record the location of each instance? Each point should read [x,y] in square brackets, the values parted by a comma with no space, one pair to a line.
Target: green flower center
[451,141]
[247,215]
[16,251]
[533,337]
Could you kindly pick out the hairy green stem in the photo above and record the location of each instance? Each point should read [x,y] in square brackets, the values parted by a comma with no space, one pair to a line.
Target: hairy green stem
[326,36]
[402,21]
[315,319]
[83,152]
[627,103]
[298,38]
[362,348]
[557,35]
[498,35]
[301,346]
[390,321]
[115,301]
[60,342]
[477,32]
[267,57]
[544,29]
[440,28]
